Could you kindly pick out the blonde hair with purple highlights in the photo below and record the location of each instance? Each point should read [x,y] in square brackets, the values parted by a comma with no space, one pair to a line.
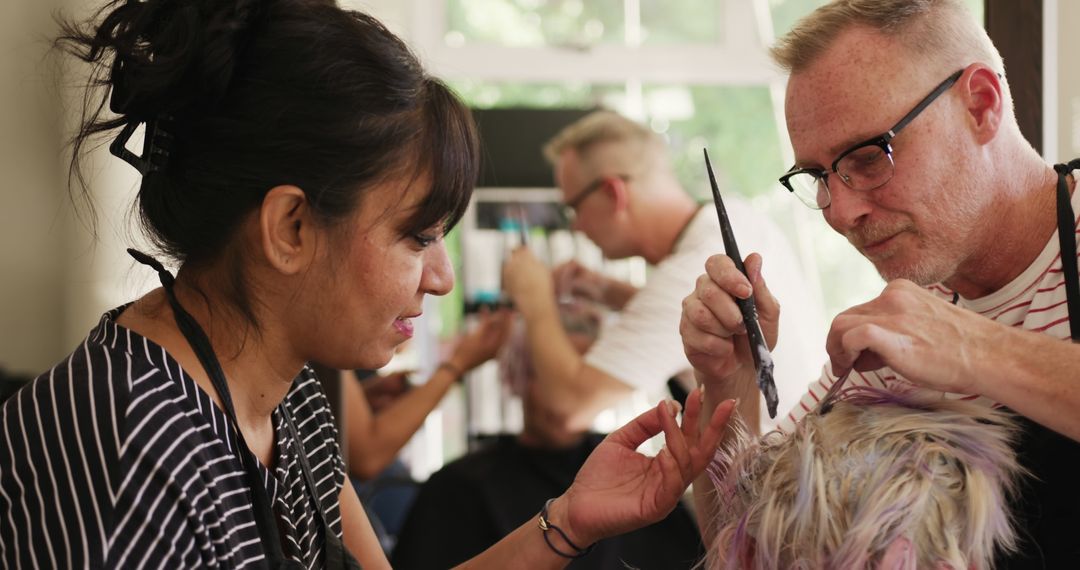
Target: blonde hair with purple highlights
[879,467]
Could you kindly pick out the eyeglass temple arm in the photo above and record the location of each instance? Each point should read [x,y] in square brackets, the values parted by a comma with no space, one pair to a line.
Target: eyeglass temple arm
[945,85]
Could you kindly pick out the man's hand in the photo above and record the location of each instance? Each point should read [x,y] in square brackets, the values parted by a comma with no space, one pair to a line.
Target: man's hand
[924,338]
[573,279]
[528,282]
[712,328]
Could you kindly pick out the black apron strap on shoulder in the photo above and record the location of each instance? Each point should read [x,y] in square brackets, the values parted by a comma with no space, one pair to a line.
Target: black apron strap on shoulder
[265,520]
[1067,239]
[191,330]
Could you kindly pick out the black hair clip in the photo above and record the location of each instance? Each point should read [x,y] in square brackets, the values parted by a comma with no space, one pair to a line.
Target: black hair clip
[156,144]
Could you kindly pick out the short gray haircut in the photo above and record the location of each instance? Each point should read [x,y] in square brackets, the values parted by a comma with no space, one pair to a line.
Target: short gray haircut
[602,127]
[942,31]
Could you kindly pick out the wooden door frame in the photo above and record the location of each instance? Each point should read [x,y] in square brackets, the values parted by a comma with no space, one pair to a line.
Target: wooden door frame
[1016,28]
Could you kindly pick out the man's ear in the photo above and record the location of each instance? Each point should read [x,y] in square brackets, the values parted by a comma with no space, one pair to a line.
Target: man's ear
[985,100]
[286,231]
[619,191]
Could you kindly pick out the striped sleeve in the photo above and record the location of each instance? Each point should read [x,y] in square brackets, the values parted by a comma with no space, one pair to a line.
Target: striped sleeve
[59,463]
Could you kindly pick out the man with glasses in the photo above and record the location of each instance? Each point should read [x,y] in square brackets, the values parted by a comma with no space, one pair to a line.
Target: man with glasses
[905,138]
[622,193]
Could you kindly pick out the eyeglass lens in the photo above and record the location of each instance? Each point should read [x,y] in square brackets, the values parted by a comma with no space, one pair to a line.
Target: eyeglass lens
[863,168]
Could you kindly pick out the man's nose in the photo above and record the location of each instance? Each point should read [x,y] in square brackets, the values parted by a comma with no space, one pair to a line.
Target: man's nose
[848,207]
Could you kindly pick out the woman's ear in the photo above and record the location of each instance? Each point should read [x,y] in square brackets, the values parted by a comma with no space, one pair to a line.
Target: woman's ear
[286,231]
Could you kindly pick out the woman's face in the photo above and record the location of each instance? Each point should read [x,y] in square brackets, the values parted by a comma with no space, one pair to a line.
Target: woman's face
[372,276]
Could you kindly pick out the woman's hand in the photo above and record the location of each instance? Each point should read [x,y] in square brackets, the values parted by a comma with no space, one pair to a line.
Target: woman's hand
[619,489]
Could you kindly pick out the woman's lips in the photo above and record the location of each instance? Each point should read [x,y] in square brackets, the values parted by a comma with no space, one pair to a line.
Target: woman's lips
[404,326]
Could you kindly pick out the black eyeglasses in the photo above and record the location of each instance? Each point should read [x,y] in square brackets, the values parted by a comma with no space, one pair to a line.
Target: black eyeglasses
[864,166]
[591,187]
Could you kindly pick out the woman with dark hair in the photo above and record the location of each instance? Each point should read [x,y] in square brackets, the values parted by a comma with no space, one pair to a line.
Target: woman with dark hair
[301,169]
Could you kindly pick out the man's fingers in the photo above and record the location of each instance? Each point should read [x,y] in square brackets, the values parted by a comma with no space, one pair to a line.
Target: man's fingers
[700,316]
[721,269]
[768,307]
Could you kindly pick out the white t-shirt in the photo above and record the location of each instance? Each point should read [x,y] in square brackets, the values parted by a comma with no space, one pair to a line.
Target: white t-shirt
[643,348]
[1034,301]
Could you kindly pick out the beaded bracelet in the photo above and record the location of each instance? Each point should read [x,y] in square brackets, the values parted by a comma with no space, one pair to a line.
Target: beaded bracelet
[545,525]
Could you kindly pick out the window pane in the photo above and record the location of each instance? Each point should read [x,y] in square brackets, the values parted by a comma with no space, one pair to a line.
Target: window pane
[581,23]
[535,23]
[681,21]
[736,124]
[496,95]
[786,12]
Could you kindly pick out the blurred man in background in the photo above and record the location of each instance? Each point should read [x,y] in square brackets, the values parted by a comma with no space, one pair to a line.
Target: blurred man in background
[621,191]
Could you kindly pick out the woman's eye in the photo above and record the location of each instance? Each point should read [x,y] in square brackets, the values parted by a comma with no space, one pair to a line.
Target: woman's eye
[424,240]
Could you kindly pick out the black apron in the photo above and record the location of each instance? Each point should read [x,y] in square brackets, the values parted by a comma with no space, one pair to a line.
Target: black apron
[337,557]
[1048,508]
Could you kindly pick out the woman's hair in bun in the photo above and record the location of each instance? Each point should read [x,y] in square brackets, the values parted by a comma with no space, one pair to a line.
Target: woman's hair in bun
[254,94]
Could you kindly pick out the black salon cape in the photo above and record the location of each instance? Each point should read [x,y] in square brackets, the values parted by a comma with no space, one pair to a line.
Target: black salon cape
[473,502]
[1047,510]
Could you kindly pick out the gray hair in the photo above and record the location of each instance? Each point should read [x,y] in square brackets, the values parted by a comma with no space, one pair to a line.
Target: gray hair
[942,31]
[642,145]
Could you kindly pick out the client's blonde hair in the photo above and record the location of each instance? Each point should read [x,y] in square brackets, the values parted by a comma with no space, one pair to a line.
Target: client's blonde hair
[880,466]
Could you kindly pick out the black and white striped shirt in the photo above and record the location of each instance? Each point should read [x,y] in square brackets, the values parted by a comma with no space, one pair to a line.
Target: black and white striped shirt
[115,458]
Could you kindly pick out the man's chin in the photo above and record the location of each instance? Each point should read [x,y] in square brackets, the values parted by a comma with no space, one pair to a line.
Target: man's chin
[922,274]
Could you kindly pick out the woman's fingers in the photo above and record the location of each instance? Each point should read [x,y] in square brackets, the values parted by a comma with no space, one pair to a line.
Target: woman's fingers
[687,452]
[692,411]
[710,439]
[675,441]
[638,430]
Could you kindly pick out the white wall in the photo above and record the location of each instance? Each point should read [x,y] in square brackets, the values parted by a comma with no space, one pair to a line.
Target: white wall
[32,222]
[55,279]
[1068,81]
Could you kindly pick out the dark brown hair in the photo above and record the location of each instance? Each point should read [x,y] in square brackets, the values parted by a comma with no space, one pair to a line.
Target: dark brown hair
[260,93]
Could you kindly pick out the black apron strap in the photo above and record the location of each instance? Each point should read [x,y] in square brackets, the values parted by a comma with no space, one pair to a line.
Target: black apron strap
[1067,239]
[336,554]
[265,520]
